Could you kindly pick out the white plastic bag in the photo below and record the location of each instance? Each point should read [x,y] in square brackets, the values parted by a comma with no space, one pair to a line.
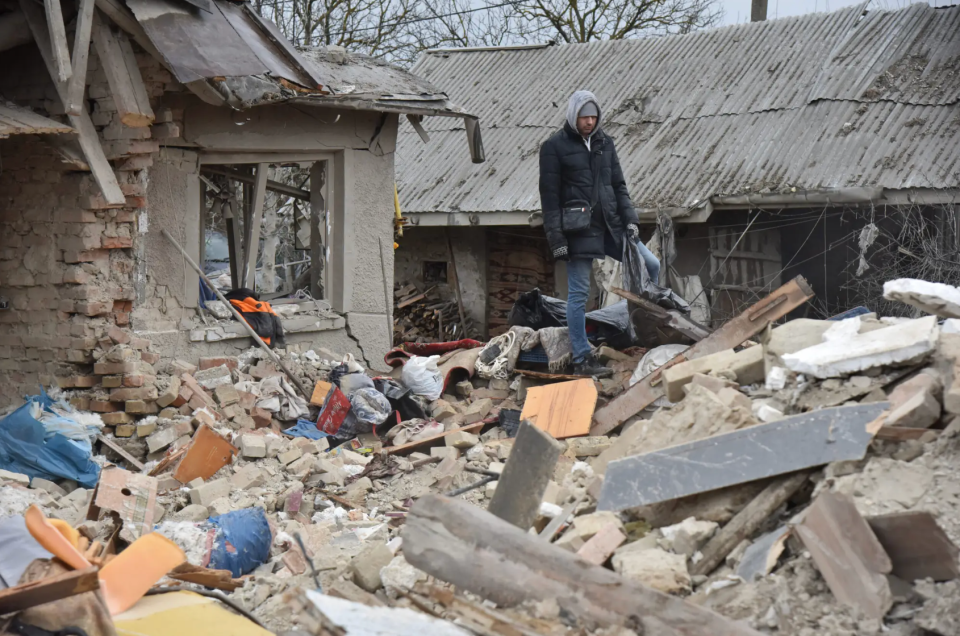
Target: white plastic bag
[421,375]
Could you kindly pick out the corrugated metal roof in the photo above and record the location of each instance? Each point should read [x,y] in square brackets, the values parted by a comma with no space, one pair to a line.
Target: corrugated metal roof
[816,101]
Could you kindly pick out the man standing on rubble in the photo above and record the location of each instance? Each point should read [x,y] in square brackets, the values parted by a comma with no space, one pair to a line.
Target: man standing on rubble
[587,213]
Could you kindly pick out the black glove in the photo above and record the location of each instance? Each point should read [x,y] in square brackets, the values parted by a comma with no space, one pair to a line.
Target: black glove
[633,232]
[561,253]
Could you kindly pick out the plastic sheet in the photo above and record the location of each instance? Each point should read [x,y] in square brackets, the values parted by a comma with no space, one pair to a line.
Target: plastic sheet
[305,428]
[422,376]
[537,311]
[242,541]
[368,408]
[27,447]
[636,279]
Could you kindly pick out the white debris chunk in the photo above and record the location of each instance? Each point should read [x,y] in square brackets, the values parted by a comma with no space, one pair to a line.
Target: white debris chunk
[938,299]
[909,341]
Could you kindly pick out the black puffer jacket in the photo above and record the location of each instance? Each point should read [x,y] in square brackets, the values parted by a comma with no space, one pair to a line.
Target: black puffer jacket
[566,178]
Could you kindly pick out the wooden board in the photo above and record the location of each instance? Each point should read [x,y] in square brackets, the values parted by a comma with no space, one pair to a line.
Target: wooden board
[48,590]
[847,553]
[918,547]
[120,451]
[460,543]
[412,446]
[733,333]
[123,75]
[320,392]
[563,410]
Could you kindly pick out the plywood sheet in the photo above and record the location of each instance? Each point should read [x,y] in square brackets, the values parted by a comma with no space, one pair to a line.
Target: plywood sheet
[564,409]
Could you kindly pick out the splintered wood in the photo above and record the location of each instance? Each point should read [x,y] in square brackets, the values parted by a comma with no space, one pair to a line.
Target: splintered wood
[564,409]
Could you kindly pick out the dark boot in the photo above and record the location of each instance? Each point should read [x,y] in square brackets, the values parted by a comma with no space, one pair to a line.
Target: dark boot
[591,367]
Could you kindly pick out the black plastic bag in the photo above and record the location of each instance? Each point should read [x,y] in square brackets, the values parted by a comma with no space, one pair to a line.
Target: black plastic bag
[636,279]
[537,311]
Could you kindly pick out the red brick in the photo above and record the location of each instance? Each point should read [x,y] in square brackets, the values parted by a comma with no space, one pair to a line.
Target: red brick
[91,309]
[116,242]
[134,393]
[98,202]
[119,336]
[209,363]
[75,276]
[122,319]
[150,358]
[261,417]
[98,406]
[85,381]
[138,380]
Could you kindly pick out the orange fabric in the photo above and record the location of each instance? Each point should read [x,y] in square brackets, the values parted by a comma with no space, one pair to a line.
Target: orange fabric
[249,305]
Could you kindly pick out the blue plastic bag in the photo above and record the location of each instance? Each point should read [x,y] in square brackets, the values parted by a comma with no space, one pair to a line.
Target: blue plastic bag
[305,428]
[242,542]
[23,448]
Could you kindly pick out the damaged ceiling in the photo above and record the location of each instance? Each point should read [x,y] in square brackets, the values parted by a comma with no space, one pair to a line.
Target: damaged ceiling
[816,102]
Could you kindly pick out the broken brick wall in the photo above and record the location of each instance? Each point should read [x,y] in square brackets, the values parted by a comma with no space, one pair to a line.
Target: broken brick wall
[67,259]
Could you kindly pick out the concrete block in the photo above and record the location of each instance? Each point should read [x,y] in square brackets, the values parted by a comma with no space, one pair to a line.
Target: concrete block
[252,446]
[290,456]
[358,489]
[38,483]
[678,376]
[921,410]
[688,536]
[330,473]
[169,394]
[477,411]
[19,478]
[907,342]
[355,459]
[210,379]
[249,476]
[209,492]
[551,494]
[114,419]
[938,299]
[654,568]
[442,410]
[461,440]
[143,430]
[733,398]
[125,430]
[223,361]
[193,512]
[712,383]
[927,380]
[366,567]
[179,367]
[161,439]
[588,446]
[464,388]
[445,451]
[226,395]
[525,477]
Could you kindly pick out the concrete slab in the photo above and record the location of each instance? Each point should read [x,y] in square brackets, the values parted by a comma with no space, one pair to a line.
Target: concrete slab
[909,341]
[934,298]
[523,483]
[784,446]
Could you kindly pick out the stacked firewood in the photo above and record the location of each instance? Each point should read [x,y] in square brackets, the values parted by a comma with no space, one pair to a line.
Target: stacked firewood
[423,316]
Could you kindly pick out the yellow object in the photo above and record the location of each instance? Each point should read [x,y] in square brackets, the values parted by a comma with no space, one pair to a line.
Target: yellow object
[181,614]
[564,409]
[396,212]
[53,539]
[68,531]
[128,576]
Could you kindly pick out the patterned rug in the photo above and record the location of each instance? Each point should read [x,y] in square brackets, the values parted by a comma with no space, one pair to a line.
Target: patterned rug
[519,260]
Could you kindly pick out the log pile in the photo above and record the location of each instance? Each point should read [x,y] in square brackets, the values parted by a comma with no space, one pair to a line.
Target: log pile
[423,316]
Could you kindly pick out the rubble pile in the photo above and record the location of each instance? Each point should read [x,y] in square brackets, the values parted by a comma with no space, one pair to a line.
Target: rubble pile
[800,482]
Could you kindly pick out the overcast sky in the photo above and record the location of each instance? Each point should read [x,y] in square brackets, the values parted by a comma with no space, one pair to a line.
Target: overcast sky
[739,10]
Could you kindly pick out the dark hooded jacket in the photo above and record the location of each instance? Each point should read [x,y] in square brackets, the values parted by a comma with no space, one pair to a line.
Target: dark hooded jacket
[567,170]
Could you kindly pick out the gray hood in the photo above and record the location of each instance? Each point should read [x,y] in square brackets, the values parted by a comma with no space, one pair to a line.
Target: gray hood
[577,100]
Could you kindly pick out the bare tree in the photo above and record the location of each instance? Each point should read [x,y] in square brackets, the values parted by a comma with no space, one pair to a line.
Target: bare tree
[588,20]
[398,30]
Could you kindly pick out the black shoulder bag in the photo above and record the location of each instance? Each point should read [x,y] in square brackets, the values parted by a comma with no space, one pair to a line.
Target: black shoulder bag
[576,218]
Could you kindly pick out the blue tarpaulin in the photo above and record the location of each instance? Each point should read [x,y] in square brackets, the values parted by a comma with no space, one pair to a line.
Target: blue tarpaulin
[23,448]
[242,543]
[305,428]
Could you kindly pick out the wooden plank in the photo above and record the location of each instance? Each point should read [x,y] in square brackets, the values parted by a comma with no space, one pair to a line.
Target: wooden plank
[17,120]
[524,480]
[747,521]
[81,54]
[121,16]
[411,300]
[57,33]
[123,75]
[86,133]
[462,544]
[666,317]
[917,546]
[121,452]
[733,333]
[48,590]
[256,216]
[748,454]
[320,392]
[847,553]
[903,434]
[563,410]
[412,446]
[216,579]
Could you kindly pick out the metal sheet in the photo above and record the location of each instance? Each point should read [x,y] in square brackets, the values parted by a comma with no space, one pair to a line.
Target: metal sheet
[785,446]
[200,44]
[811,102]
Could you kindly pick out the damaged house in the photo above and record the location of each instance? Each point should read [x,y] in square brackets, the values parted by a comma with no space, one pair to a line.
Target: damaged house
[777,148]
[124,119]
